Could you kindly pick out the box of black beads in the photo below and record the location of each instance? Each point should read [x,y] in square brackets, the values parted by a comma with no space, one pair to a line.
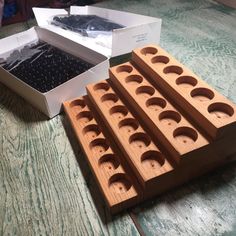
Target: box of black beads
[47,69]
[109,32]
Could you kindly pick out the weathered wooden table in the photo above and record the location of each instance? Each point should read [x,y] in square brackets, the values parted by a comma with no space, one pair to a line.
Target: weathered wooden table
[46,187]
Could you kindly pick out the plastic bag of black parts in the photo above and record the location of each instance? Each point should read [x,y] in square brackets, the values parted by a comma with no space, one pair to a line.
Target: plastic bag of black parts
[43,66]
[87,25]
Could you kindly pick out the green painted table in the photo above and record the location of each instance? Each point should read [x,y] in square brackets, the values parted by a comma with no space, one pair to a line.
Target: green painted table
[46,187]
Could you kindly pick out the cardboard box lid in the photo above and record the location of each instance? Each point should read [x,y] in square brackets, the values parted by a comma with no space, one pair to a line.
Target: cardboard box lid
[139,30]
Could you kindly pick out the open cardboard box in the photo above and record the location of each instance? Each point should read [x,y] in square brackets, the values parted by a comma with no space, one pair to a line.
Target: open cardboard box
[50,103]
[139,31]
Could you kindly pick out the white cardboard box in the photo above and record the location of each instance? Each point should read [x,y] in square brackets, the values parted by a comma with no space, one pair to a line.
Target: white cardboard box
[139,31]
[50,103]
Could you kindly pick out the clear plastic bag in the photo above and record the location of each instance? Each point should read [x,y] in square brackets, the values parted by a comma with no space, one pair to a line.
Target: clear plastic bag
[87,25]
[43,66]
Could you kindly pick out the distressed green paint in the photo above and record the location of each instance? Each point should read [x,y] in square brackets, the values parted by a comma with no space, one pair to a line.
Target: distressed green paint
[44,190]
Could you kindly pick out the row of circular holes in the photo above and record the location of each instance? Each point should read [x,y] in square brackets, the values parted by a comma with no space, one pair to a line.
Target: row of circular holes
[151,101]
[150,90]
[109,161]
[127,121]
[124,111]
[207,94]
[137,78]
[119,182]
[150,155]
[181,80]
[169,114]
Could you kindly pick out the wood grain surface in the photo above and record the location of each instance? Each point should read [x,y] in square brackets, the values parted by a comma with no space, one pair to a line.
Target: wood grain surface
[46,187]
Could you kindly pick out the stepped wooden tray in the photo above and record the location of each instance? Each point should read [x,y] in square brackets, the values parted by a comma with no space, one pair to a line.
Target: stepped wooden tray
[151,126]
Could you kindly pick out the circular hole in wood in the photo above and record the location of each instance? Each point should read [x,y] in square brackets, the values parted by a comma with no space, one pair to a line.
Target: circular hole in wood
[173,70]
[134,79]
[128,125]
[149,51]
[91,131]
[124,68]
[156,103]
[170,118]
[77,105]
[101,87]
[202,94]
[119,183]
[152,160]
[185,135]
[145,91]
[186,81]
[78,102]
[118,111]
[110,99]
[160,60]
[109,162]
[220,110]
[99,146]
[139,140]
[84,117]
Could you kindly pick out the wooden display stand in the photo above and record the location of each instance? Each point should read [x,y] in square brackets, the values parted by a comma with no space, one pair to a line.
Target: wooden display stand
[152,126]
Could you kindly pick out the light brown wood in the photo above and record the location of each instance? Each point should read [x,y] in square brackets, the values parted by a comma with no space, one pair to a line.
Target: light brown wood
[169,126]
[212,111]
[144,156]
[127,126]
[117,186]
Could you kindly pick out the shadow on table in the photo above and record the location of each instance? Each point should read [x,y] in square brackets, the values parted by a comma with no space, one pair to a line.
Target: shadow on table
[204,187]
[19,107]
[96,194]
